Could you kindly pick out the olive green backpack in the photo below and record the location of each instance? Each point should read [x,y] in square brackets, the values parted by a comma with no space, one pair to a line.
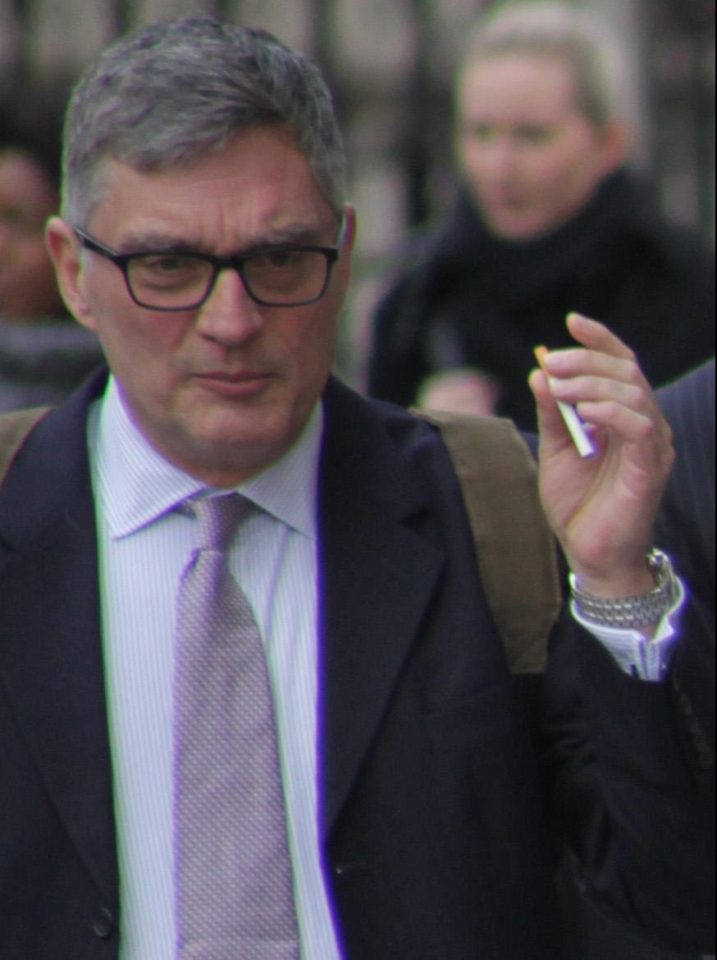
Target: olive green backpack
[516,550]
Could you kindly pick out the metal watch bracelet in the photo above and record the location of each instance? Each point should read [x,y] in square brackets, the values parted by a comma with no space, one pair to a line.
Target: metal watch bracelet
[631,613]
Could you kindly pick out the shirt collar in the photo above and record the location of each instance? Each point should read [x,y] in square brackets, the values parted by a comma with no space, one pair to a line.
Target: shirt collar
[137,486]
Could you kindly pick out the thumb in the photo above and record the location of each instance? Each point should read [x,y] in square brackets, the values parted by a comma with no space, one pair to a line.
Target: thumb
[554,434]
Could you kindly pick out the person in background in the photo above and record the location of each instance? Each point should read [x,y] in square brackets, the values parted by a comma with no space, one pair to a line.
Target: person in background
[549,218]
[252,700]
[44,354]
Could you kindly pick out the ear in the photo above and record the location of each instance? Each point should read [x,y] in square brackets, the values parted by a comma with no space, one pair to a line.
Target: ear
[66,255]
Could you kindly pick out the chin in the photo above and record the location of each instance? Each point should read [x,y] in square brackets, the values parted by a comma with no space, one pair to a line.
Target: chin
[516,229]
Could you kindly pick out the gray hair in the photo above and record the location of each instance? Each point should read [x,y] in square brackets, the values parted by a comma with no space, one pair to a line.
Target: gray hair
[559,31]
[173,92]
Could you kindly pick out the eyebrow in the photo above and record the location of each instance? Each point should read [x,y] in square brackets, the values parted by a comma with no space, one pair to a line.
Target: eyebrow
[161,242]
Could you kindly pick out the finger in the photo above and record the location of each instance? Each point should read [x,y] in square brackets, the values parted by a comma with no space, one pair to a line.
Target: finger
[618,367]
[633,394]
[580,362]
[540,385]
[596,336]
[630,425]
[594,388]
[554,435]
[602,354]
[640,427]
[599,400]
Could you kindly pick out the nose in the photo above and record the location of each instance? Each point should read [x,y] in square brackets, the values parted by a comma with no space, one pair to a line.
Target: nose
[229,315]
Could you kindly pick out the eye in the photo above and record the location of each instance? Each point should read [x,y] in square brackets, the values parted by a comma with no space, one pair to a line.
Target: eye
[165,263]
[482,132]
[283,258]
[168,269]
[286,272]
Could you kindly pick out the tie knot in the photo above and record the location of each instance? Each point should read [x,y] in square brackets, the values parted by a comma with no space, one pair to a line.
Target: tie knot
[218,519]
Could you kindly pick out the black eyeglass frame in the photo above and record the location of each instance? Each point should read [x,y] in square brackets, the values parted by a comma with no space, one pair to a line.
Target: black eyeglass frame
[232,262]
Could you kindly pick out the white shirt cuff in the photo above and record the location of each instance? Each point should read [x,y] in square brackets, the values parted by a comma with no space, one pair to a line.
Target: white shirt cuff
[636,655]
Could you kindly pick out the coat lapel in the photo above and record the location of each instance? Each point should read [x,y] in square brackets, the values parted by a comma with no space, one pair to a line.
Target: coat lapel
[377,577]
[50,646]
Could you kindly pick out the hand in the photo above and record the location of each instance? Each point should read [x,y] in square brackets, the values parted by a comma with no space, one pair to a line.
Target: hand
[459,391]
[602,508]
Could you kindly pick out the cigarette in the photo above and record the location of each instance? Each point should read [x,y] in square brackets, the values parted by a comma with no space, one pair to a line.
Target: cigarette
[572,420]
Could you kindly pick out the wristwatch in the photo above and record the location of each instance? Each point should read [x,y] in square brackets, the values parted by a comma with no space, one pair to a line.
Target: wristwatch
[631,613]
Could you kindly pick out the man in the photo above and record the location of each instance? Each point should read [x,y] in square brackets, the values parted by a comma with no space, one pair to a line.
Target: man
[205,237]
[550,217]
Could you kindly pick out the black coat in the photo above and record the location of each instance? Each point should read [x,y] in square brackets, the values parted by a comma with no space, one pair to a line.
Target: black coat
[435,843]
[468,299]
[687,521]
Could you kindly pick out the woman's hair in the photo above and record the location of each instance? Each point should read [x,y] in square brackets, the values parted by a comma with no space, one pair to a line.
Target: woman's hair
[173,92]
[562,32]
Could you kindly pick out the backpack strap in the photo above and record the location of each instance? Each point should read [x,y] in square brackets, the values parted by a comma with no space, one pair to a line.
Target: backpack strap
[516,549]
[14,428]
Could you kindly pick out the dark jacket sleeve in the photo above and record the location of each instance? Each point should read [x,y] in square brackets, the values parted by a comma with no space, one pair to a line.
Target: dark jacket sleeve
[635,787]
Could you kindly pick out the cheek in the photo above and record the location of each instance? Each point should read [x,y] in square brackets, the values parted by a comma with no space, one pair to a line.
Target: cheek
[137,343]
[546,169]
[570,164]
[311,345]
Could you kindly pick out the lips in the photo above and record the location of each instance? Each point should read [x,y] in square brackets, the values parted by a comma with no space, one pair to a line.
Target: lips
[240,383]
[239,377]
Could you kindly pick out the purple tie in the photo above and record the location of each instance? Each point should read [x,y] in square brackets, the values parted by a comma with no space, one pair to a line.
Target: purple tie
[234,898]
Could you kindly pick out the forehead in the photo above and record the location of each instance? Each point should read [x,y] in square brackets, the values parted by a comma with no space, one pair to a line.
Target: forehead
[520,86]
[260,182]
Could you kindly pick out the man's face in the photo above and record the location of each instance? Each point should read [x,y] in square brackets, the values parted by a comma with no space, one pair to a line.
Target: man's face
[529,156]
[224,390]
[28,290]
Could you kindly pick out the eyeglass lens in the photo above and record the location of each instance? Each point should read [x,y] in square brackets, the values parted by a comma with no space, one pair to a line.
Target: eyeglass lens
[281,276]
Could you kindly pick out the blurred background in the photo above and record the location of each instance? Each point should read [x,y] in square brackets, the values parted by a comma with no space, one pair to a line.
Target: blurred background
[390,65]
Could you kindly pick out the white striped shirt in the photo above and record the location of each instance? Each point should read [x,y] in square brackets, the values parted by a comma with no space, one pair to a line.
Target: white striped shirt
[143,547]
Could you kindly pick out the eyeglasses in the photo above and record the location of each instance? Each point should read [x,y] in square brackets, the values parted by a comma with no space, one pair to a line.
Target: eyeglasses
[280,275]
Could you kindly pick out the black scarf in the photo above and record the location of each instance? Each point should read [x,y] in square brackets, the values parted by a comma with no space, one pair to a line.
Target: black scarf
[473,299]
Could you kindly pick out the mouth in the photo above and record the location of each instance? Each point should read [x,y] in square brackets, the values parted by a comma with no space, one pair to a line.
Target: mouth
[510,199]
[245,383]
